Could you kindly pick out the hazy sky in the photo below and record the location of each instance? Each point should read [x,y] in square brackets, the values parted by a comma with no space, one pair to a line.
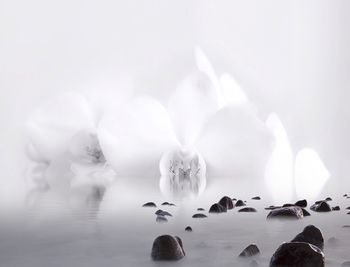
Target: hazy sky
[291,57]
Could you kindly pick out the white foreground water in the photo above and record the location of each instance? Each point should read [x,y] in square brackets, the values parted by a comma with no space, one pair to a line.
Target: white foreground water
[121,233]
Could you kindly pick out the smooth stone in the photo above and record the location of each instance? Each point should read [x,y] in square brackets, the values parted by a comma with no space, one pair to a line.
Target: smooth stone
[311,234]
[345,195]
[201,209]
[286,213]
[272,207]
[167,204]
[328,199]
[239,203]
[188,229]
[336,208]
[161,219]
[297,254]
[321,206]
[163,213]
[305,212]
[256,198]
[226,202]
[301,203]
[217,208]
[348,208]
[248,209]
[348,213]
[199,215]
[167,248]
[149,204]
[249,251]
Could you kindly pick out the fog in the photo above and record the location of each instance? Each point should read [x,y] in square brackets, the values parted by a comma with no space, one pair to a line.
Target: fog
[291,58]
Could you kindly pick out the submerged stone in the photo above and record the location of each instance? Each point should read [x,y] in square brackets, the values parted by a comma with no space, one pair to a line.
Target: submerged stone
[199,215]
[256,198]
[336,208]
[311,234]
[248,209]
[249,251]
[217,208]
[286,213]
[188,229]
[149,204]
[161,219]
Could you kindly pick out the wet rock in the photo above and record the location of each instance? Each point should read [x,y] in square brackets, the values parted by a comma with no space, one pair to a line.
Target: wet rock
[288,205]
[249,251]
[188,229]
[345,264]
[311,234]
[163,213]
[286,213]
[239,203]
[305,212]
[336,208]
[328,199]
[321,206]
[248,209]
[226,202]
[199,215]
[217,208]
[301,203]
[161,219]
[200,209]
[167,248]
[150,205]
[256,198]
[297,254]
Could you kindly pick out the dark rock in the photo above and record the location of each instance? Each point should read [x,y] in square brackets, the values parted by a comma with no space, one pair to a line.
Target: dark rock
[298,254]
[348,208]
[161,219]
[217,208]
[249,251]
[288,205]
[149,204]
[301,203]
[248,209]
[336,208]
[312,235]
[226,202]
[200,209]
[256,198]
[286,213]
[345,195]
[167,248]
[188,229]
[348,213]
[272,207]
[321,206]
[239,203]
[328,199]
[163,213]
[165,204]
[305,212]
[345,264]
[199,215]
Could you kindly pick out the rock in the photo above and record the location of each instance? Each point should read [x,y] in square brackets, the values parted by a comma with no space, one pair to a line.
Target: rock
[249,251]
[297,254]
[321,206]
[346,226]
[305,212]
[165,204]
[301,203]
[188,229]
[226,202]
[163,213]
[336,208]
[167,248]
[287,205]
[239,203]
[234,199]
[345,264]
[199,215]
[256,198]
[286,213]
[217,208]
[248,209]
[200,209]
[328,199]
[161,219]
[345,195]
[348,208]
[312,235]
[348,213]
[272,208]
[150,205]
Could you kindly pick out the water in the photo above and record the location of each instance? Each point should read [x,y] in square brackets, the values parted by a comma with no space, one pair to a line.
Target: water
[121,233]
